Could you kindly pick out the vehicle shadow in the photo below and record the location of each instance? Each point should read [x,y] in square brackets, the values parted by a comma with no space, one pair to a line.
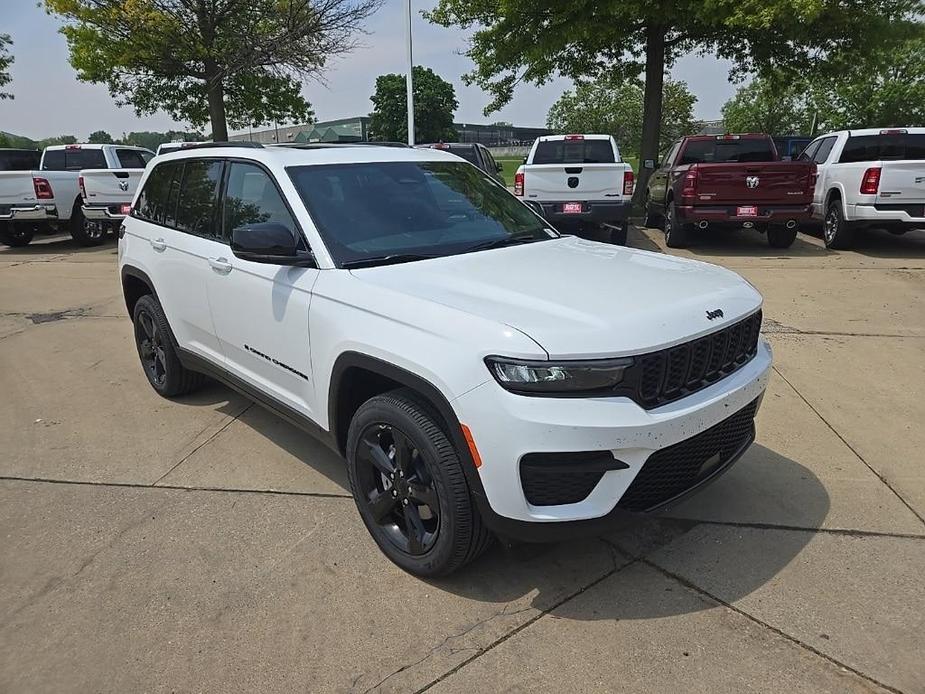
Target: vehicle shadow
[506,574]
[54,245]
[879,243]
[752,244]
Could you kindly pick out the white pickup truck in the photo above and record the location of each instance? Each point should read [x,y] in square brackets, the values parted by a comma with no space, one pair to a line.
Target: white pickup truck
[575,180]
[80,188]
[868,178]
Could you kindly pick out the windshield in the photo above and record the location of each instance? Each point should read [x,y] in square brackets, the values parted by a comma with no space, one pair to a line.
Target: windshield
[727,151]
[379,209]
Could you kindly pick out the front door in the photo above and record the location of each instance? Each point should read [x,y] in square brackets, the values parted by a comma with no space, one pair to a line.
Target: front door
[261,310]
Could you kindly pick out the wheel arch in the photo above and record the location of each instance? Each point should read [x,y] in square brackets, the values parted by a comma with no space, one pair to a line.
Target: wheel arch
[135,284]
[836,191]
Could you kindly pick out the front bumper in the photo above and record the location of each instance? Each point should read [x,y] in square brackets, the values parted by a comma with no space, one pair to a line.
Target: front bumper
[28,213]
[594,211]
[911,215]
[722,214]
[102,212]
[506,427]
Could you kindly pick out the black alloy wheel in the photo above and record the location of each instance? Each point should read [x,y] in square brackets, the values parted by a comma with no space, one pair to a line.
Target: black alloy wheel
[156,350]
[151,348]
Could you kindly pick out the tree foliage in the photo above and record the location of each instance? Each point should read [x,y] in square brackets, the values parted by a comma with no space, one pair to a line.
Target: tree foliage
[434,105]
[517,41]
[151,140]
[885,89]
[613,106]
[5,61]
[100,137]
[228,62]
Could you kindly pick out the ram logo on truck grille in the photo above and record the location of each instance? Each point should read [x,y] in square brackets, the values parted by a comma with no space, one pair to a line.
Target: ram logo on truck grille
[752,181]
[123,186]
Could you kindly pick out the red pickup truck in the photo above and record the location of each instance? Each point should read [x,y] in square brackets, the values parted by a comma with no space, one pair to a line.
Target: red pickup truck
[729,180]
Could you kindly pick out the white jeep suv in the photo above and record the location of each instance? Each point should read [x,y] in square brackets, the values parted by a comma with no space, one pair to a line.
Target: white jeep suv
[479,372]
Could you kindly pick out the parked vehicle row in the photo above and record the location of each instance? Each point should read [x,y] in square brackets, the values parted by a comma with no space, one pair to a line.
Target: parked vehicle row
[480,373]
[83,189]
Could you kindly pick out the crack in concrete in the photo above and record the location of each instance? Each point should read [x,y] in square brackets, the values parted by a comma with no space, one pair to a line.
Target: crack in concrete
[849,532]
[802,644]
[773,327]
[850,447]
[173,487]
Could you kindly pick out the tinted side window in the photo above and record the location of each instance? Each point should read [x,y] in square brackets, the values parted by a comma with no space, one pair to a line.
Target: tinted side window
[198,198]
[131,158]
[467,153]
[810,151]
[822,153]
[251,197]
[891,146]
[152,201]
[54,160]
[670,155]
[19,160]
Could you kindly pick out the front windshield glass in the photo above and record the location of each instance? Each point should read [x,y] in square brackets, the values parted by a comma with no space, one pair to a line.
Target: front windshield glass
[380,209]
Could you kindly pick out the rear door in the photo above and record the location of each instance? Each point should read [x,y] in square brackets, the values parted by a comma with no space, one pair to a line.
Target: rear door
[575,168]
[261,310]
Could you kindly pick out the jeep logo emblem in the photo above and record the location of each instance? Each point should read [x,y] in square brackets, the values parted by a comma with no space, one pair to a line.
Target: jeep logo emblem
[752,182]
[123,186]
[715,313]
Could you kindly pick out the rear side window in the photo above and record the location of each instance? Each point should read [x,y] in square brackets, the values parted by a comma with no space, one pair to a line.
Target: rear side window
[19,160]
[573,152]
[876,147]
[152,201]
[251,197]
[825,147]
[467,153]
[727,151]
[74,159]
[132,158]
[810,151]
[198,197]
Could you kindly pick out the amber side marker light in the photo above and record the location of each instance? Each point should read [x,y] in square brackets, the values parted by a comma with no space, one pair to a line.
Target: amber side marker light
[473,451]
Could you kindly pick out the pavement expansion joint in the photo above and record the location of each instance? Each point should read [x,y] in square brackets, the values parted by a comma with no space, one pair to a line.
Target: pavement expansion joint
[850,532]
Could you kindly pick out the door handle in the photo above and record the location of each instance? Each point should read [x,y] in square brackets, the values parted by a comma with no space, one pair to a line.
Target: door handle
[159,245]
[220,265]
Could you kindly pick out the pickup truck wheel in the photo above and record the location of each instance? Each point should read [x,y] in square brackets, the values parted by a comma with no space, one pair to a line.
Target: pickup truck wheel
[85,232]
[155,343]
[677,234]
[652,219]
[781,236]
[836,231]
[409,487]
[618,234]
[16,235]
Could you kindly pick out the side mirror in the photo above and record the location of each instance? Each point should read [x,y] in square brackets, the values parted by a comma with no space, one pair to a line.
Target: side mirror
[499,167]
[524,161]
[269,242]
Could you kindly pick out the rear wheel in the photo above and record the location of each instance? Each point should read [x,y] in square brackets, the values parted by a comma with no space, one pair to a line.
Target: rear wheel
[836,231]
[677,233]
[781,236]
[409,486]
[84,231]
[16,235]
[155,343]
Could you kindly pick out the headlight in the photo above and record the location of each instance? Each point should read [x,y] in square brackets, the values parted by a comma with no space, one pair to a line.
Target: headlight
[567,377]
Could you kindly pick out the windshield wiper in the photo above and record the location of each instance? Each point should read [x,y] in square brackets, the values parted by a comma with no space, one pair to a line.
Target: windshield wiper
[393,259]
[512,240]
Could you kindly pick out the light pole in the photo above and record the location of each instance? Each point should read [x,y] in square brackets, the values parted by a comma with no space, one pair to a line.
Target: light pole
[409,80]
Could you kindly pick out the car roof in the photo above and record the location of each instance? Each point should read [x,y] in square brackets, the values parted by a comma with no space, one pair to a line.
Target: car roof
[88,145]
[283,155]
[553,138]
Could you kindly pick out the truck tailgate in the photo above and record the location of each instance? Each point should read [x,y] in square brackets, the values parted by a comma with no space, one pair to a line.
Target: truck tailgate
[568,182]
[902,182]
[16,188]
[784,182]
[110,185]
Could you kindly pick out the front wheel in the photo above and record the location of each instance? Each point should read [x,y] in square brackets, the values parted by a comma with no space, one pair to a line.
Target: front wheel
[409,486]
[781,236]
[677,233]
[16,235]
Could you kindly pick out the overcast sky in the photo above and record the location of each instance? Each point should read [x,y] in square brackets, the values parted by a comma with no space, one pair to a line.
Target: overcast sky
[50,101]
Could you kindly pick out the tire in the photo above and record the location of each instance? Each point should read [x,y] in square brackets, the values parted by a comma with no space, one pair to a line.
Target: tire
[652,219]
[781,236]
[157,350]
[618,234]
[84,232]
[837,233]
[897,231]
[677,234]
[16,235]
[398,456]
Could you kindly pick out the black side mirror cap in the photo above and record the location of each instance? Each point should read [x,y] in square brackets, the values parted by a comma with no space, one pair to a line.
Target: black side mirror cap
[271,243]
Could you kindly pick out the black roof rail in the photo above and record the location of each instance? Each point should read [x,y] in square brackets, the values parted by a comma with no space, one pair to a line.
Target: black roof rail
[237,144]
[325,145]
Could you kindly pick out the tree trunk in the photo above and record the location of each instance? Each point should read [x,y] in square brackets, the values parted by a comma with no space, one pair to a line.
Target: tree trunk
[651,106]
[216,95]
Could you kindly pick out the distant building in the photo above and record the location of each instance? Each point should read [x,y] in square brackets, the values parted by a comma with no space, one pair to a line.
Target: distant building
[356,129]
[711,127]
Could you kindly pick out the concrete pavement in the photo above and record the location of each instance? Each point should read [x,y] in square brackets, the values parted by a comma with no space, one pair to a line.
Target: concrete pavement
[203,545]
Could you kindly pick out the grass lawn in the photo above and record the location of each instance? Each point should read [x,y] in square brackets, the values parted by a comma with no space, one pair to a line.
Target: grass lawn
[511,163]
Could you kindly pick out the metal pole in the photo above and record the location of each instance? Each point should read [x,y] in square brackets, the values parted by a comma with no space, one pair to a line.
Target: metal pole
[409,79]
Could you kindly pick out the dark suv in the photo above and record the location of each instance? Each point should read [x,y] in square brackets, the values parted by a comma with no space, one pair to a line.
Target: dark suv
[473,153]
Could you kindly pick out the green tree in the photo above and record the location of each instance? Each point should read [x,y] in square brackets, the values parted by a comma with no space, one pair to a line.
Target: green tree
[151,140]
[5,141]
[58,140]
[613,106]
[5,61]
[100,137]
[234,62]
[434,105]
[531,41]
[769,106]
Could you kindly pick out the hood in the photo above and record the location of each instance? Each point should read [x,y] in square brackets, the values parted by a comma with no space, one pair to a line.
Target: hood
[577,298]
